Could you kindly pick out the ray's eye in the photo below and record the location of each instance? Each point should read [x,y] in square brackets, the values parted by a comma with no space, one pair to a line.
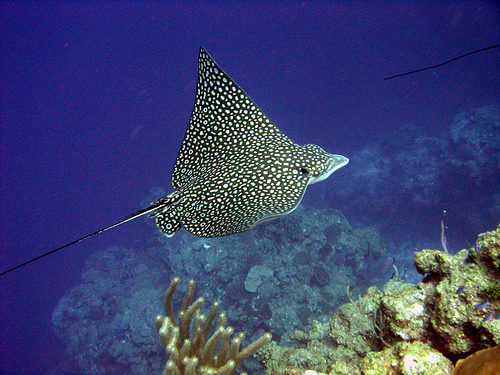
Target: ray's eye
[304,171]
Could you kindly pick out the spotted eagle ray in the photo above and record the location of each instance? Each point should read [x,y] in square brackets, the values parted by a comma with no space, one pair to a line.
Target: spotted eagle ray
[235,169]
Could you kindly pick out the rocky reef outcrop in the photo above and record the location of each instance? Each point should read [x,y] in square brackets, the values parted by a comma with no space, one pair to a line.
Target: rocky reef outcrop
[406,328]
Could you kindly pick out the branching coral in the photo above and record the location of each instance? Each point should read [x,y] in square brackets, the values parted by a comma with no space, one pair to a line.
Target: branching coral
[195,352]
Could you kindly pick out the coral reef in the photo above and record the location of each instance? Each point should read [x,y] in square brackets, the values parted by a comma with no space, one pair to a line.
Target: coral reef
[488,252]
[197,353]
[314,255]
[406,328]
[340,345]
[291,274]
[105,321]
[459,316]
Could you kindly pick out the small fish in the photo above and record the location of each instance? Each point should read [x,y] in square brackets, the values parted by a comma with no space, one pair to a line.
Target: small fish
[488,317]
[461,289]
[482,305]
[477,248]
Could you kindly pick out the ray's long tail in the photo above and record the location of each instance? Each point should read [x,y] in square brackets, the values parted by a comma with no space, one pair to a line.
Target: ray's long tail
[151,210]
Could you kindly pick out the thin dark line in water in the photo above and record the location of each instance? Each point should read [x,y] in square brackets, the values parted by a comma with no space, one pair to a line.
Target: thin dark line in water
[446,62]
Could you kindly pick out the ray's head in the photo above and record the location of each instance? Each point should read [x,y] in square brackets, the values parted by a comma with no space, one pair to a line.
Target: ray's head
[319,164]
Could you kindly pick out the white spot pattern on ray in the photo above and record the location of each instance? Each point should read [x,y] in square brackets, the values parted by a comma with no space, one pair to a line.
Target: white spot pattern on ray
[235,168]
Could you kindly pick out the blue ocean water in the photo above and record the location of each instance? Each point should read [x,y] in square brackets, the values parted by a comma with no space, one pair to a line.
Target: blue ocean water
[95,99]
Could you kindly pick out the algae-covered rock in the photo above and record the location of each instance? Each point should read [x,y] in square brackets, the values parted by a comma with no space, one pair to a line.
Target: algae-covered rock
[348,327]
[454,306]
[415,358]
[405,312]
[281,360]
[408,329]
[433,262]
[342,368]
[460,313]
[488,249]
[336,347]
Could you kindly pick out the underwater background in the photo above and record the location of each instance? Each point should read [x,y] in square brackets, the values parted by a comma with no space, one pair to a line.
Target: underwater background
[95,100]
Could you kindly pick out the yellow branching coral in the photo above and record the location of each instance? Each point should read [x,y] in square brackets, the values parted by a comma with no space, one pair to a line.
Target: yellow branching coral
[195,352]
